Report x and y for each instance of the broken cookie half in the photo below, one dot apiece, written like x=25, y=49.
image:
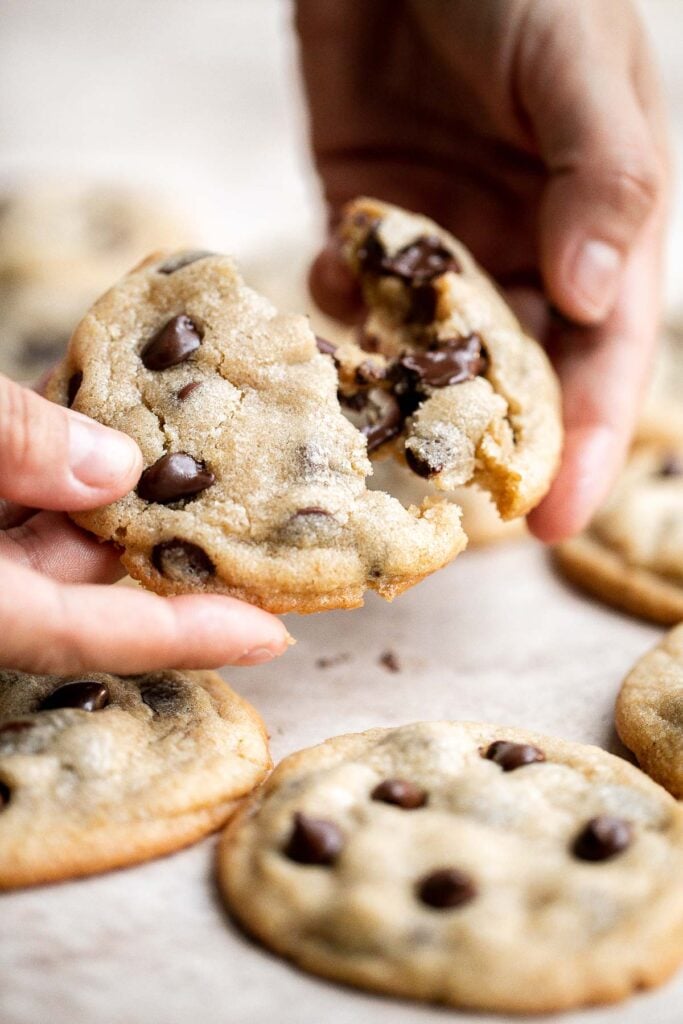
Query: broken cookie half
x=255, y=480
x=444, y=375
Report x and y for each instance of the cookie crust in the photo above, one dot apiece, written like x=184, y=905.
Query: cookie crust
x=649, y=712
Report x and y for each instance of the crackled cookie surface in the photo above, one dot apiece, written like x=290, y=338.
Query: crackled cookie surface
x=475, y=398
x=254, y=481
x=100, y=771
x=631, y=556
x=468, y=863
x=649, y=712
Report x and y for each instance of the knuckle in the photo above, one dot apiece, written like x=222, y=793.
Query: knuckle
x=16, y=428
x=634, y=184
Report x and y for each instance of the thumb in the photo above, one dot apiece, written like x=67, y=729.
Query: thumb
x=606, y=179
x=54, y=458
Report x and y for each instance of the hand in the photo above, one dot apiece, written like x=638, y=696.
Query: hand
x=533, y=129
x=51, y=618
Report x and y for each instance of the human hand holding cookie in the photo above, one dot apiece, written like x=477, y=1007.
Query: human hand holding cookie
x=52, y=615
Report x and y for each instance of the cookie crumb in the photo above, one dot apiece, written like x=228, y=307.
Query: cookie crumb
x=389, y=661
x=332, y=659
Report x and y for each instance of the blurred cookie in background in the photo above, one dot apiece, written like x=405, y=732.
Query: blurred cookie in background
x=662, y=415
x=631, y=555
x=61, y=245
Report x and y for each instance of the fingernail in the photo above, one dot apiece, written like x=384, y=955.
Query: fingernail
x=595, y=277
x=99, y=457
x=257, y=656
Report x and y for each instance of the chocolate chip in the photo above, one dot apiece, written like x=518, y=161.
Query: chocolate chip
x=325, y=347
x=368, y=342
x=603, y=838
x=178, y=559
x=376, y=413
x=417, y=263
x=449, y=362
x=513, y=755
x=446, y=888
x=186, y=391
x=86, y=694
x=173, y=477
x=164, y=696
x=173, y=344
x=73, y=387
x=671, y=465
x=422, y=307
x=314, y=841
x=424, y=467
x=312, y=510
x=401, y=792
x=183, y=259
x=13, y=728
x=5, y=794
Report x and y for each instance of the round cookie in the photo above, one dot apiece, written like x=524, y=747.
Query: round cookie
x=466, y=863
x=255, y=480
x=631, y=556
x=96, y=231
x=478, y=399
x=649, y=712
x=102, y=771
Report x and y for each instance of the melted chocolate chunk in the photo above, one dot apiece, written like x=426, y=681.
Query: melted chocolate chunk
x=13, y=728
x=183, y=259
x=73, y=387
x=173, y=344
x=164, y=696
x=446, y=888
x=400, y=792
x=449, y=362
x=311, y=510
x=5, y=794
x=671, y=465
x=326, y=348
x=368, y=342
x=314, y=841
x=422, y=466
x=179, y=559
x=389, y=661
x=603, y=838
x=186, y=391
x=86, y=695
x=513, y=755
x=422, y=308
x=417, y=263
x=376, y=413
x=173, y=477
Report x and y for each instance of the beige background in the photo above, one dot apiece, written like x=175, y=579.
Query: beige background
x=202, y=98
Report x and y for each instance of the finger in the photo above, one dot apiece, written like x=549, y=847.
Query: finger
x=55, y=458
x=333, y=287
x=606, y=172
x=52, y=627
x=52, y=545
x=12, y=514
x=603, y=375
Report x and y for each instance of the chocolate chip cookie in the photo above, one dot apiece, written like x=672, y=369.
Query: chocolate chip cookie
x=471, y=864
x=631, y=555
x=466, y=395
x=649, y=712
x=101, y=771
x=60, y=247
x=255, y=481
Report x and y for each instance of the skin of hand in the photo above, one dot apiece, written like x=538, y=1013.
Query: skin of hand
x=535, y=131
x=52, y=617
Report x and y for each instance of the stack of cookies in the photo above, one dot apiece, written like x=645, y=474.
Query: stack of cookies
x=461, y=862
